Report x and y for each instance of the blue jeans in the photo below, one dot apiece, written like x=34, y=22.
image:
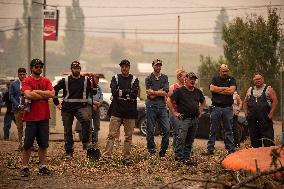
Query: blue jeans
x=158, y=115
x=186, y=133
x=221, y=115
x=8, y=118
x=174, y=122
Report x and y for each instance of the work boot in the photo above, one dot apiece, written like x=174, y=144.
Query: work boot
x=25, y=172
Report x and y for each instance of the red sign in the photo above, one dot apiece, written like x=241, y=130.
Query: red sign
x=50, y=25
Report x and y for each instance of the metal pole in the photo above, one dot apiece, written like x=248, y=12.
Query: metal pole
x=29, y=43
x=178, y=42
x=44, y=47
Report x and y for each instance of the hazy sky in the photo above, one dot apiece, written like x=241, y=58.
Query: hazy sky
x=197, y=17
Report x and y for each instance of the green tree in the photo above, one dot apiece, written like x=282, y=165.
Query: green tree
x=222, y=19
x=15, y=54
x=207, y=70
x=74, y=40
x=251, y=45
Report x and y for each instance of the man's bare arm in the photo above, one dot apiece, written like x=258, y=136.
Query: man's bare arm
x=274, y=102
x=31, y=95
x=216, y=89
x=229, y=90
x=46, y=93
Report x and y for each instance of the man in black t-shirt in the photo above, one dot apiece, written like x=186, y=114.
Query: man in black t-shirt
x=190, y=103
x=124, y=89
x=222, y=88
x=76, y=90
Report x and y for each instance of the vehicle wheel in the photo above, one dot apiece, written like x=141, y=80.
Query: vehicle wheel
x=103, y=112
x=143, y=127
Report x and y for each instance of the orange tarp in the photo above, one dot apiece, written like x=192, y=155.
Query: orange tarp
x=246, y=159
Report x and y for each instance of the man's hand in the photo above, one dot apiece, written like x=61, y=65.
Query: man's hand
x=270, y=115
x=150, y=92
x=21, y=107
x=59, y=106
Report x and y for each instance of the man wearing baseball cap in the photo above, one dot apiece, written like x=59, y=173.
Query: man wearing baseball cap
x=190, y=103
x=124, y=89
x=76, y=90
x=37, y=90
x=157, y=88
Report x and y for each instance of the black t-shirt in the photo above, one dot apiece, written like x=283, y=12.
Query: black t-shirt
x=222, y=100
x=76, y=88
x=120, y=107
x=188, y=101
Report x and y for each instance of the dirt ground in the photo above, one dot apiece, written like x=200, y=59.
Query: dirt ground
x=144, y=171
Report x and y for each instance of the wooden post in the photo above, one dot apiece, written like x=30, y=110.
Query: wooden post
x=177, y=61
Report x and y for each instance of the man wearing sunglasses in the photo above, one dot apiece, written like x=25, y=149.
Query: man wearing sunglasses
x=37, y=90
x=190, y=103
x=76, y=90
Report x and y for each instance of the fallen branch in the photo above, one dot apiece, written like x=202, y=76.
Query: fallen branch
x=258, y=174
x=199, y=180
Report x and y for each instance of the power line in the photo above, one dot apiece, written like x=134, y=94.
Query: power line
x=159, y=14
x=134, y=29
x=144, y=7
x=132, y=32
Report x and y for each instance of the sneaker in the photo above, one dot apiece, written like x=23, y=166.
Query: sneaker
x=152, y=152
x=25, y=172
x=44, y=171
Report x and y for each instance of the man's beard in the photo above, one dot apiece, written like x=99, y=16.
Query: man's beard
x=37, y=73
x=76, y=74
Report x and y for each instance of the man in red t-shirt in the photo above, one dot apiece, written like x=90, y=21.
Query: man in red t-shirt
x=37, y=90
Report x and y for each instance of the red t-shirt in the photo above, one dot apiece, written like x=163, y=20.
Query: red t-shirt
x=39, y=109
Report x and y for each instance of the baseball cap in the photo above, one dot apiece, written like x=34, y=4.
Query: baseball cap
x=75, y=64
x=192, y=75
x=36, y=61
x=157, y=61
x=124, y=62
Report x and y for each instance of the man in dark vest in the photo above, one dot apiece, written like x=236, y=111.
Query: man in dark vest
x=76, y=89
x=124, y=89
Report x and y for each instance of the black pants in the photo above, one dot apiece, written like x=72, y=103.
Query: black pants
x=83, y=116
x=261, y=131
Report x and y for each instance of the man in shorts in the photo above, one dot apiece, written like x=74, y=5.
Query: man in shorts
x=37, y=90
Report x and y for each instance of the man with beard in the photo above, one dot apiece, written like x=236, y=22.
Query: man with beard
x=37, y=90
x=124, y=89
x=222, y=88
x=76, y=89
x=18, y=103
x=190, y=103
x=157, y=87
x=259, y=105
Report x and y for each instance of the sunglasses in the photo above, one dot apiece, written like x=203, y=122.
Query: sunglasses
x=38, y=66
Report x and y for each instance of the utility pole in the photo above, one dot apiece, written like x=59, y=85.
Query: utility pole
x=29, y=43
x=177, y=61
x=44, y=47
